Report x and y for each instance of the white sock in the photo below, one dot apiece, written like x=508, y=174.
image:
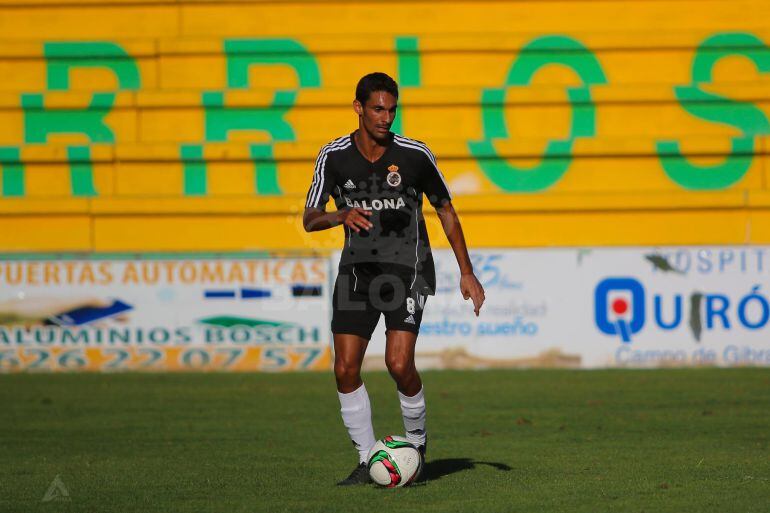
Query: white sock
x=357, y=417
x=413, y=411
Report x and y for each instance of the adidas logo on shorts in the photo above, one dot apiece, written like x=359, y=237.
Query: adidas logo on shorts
x=409, y=320
x=349, y=185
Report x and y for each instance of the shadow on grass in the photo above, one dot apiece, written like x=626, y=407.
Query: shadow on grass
x=436, y=469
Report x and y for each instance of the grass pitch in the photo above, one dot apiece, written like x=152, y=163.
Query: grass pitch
x=531, y=441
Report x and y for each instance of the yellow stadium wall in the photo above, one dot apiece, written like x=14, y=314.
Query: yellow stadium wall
x=193, y=126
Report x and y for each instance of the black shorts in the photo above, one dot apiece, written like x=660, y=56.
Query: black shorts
x=357, y=312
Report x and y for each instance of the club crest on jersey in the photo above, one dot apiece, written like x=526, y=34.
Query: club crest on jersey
x=394, y=179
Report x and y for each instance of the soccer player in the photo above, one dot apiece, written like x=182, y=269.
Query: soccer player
x=377, y=180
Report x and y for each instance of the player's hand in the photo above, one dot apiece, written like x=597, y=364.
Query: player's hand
x=356, y=219
x=471, y=288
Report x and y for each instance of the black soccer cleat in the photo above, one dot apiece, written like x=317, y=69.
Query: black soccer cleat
x=360, y=475
x=422, y=449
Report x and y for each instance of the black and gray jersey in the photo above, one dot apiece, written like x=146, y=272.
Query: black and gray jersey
x=392, y=188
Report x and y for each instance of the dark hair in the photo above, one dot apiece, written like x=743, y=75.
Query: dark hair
x=375, y=82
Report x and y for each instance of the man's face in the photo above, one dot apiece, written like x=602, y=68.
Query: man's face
x=377, y=114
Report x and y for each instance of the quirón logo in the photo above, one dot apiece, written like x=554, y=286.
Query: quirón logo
x=620, y=309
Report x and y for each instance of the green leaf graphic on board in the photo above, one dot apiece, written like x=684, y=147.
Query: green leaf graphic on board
x=228, y=321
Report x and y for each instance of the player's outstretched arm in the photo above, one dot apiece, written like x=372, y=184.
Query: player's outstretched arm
x=356, y=219
x=469, y=284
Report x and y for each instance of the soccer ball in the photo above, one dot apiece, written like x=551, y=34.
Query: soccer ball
x=394, y=462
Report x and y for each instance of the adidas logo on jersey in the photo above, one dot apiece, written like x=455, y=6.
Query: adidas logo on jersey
x=410, y=319
x=349, y=185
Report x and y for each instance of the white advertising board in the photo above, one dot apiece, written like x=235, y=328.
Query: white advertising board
x=171, y=313
x=589, y=308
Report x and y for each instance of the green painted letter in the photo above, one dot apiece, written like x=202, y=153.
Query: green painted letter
x=536, y=55
x=746, y=117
